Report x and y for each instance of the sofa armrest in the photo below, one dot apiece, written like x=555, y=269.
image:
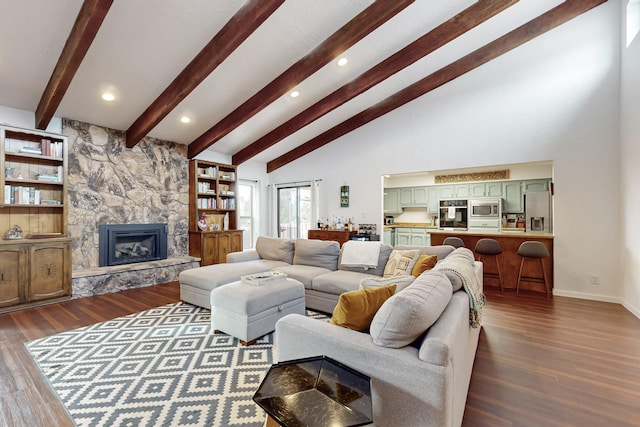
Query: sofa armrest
x=248, y=255
x=405, y=390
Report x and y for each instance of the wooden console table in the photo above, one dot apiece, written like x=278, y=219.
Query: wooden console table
x=339, y=236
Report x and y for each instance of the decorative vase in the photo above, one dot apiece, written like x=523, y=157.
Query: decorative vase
x=225, y=223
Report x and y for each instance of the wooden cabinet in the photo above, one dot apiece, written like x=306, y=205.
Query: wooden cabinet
x=494, y=189
x=536, y=185
x=34, y=271
x=36, y=266
x=212, y=247
x=432, y=202
x=339, y=236
x=212, y=198
x=49, y=270
x=392, y=201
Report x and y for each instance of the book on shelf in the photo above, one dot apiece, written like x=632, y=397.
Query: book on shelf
x=209, y=172
x=31, y=150
x=19, y=195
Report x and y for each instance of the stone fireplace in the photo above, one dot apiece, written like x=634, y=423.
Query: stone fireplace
x=121, y=244
x=111, y=184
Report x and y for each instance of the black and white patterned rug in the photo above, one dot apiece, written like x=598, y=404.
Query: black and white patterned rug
x=160, y=367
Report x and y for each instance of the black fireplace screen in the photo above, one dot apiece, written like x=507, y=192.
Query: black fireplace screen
x=130, y=243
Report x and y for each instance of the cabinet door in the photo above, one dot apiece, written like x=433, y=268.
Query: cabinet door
x=50, y=276
x=406, y=196
x=536, y=185
x=494, y=189
x=392, y=200
x=421, y=196
x=12, y=275
x=403, y=236
x=236, y=241
x=209, y=252
x=477, y=190
x=225, y=245
x=513, y=201
x=461, y=191
x=432, y=203
x=445, y=192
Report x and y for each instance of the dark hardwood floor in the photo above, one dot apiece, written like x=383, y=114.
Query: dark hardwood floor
x=540, y=361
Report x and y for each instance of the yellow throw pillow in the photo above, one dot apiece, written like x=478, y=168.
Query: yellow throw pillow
x=424, y=263
x=356, y=309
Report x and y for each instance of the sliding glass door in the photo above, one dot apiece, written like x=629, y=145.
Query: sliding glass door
x=294, y=211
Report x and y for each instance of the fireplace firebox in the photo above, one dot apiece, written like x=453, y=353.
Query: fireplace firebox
x=131, y=243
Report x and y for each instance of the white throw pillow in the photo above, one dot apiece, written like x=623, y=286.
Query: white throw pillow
x=401, y=262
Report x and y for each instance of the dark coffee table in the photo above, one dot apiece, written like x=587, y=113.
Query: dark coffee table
x=316, y=391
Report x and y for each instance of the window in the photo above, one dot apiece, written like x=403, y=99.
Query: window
x=294, y=211
x=248, y=211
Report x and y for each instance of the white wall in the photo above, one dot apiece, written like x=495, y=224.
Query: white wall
x=630, y=153
x=555, y=98
x=26, y=119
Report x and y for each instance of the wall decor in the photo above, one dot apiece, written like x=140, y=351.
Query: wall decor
x=475, y=176
x=344, y=196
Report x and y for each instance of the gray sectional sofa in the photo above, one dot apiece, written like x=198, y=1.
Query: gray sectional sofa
x=418, y=377
x=315, y=263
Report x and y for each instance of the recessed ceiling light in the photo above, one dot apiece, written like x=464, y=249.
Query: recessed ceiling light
x=294, y=94
x=185, y=119
x=342, y=61
x=108, y=96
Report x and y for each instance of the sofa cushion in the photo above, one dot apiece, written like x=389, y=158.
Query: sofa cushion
x=409, y=313
x=385, y=251
x=401, y=261
x=275, y=249
x=303, y=273
x=317, y=253
x=211, y=276
x=355, y=309
x=337, y=282
x=425, y=262
x=441, y=251
x=400, y=280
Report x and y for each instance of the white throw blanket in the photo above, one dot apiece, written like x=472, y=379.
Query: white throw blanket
x=356, y=253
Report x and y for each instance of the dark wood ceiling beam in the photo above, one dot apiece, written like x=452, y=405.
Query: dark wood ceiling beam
x=534, y=28
x=352, y=32
x=88, y=22
x=242, y=25
x=471, y=17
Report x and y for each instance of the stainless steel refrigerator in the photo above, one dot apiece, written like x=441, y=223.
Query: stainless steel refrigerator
x=537, y=207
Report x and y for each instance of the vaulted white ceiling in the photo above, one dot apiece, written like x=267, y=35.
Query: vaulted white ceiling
x=143, y=45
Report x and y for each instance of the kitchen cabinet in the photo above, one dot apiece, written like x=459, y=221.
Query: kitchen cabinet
x=432, y=199
x=414, y=197
x=387, y=237
x=513, y=197
x=412, y=236
x=494, y=189
x=392, y=201
x=477, y=189
x=536, y=185
x=461, y=191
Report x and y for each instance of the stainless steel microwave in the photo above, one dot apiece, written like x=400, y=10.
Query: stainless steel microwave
x=485, y=207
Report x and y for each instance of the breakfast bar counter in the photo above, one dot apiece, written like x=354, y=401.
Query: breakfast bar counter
x=509, y=259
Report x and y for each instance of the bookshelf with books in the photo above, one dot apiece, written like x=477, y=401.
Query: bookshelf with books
x=212, y=211
x=35, y=252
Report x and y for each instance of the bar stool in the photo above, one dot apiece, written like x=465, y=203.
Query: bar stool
x=456, y=242
x=530, y=249
x=490, y=247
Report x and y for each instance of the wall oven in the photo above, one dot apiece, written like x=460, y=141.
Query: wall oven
x=453, y=215
x=486, y=208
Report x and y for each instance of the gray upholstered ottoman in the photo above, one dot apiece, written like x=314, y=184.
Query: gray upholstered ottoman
x=248, y=312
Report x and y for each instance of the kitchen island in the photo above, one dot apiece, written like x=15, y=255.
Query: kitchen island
x=509, y=259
